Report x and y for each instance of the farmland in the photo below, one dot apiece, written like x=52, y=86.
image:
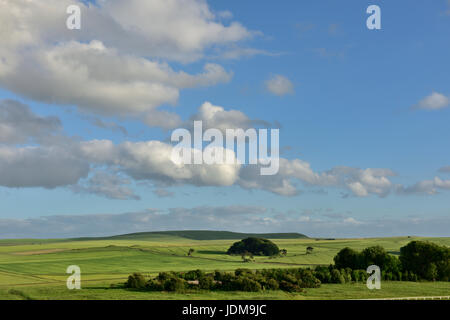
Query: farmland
x=35, y=269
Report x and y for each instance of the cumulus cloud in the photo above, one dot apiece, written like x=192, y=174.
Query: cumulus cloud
x=218, y=117
x=45, y=61
x=47, y=167
x=60, y=161
x=425, y=187
x=63, y=161
x=18, y=124
x=152, y=160
x=435, y=101
x=231, y=218
x=86, y=75
x=283, y=182
x=107, y=185
x=176, y=29
x=279, y=85
x=362, y=182
x=358, y=182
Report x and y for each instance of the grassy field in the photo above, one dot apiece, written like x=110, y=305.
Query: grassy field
x=36, y=268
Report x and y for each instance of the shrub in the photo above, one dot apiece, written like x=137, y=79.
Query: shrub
x=154, y=285
x=174, y=284
x=290, y=287
x=136, y=281
x=219, y=275
x=163, y=276
x=206, y=282
x=336, y=277
x=194, y=275
x=308, y=280
x=355, y=276
x=271, y=284
x=242, y=271
x=323, y=274
x=247, y=284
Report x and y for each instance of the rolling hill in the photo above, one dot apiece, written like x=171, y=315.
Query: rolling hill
x=199, y=235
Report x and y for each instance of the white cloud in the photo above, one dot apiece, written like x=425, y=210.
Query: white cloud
x=213, y=116
x=152, y=160
x=170, y=29
x=86, y=75
x=362, y=182
x=62, y=161
x=435, y=101
x=179, y=29
x=45, y=61
x=279, y=85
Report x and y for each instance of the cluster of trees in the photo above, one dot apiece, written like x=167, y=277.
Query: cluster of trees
x=428, y=260
x=331, y=274
x=255, y=246
x=418, y=260
x=291, y=280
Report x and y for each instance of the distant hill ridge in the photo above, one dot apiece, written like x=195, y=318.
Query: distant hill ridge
x=200, y=235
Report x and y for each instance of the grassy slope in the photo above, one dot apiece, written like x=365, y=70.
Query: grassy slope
x=199, y=235
x=37, y=267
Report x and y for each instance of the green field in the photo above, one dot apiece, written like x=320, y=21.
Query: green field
x=36, y=268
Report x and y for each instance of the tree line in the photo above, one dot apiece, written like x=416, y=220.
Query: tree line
x=418, y=261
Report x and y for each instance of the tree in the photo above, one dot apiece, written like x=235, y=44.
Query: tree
x=376, y=255
x=190, y=252
x=348, y=258
x=426, y=260
x=283, y=252
x=255, y=246
x=136, y=281
x=336, y=276
x=309, y=250
x=174, y=284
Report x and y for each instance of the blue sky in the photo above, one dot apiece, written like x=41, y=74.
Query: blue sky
x=362, y=99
